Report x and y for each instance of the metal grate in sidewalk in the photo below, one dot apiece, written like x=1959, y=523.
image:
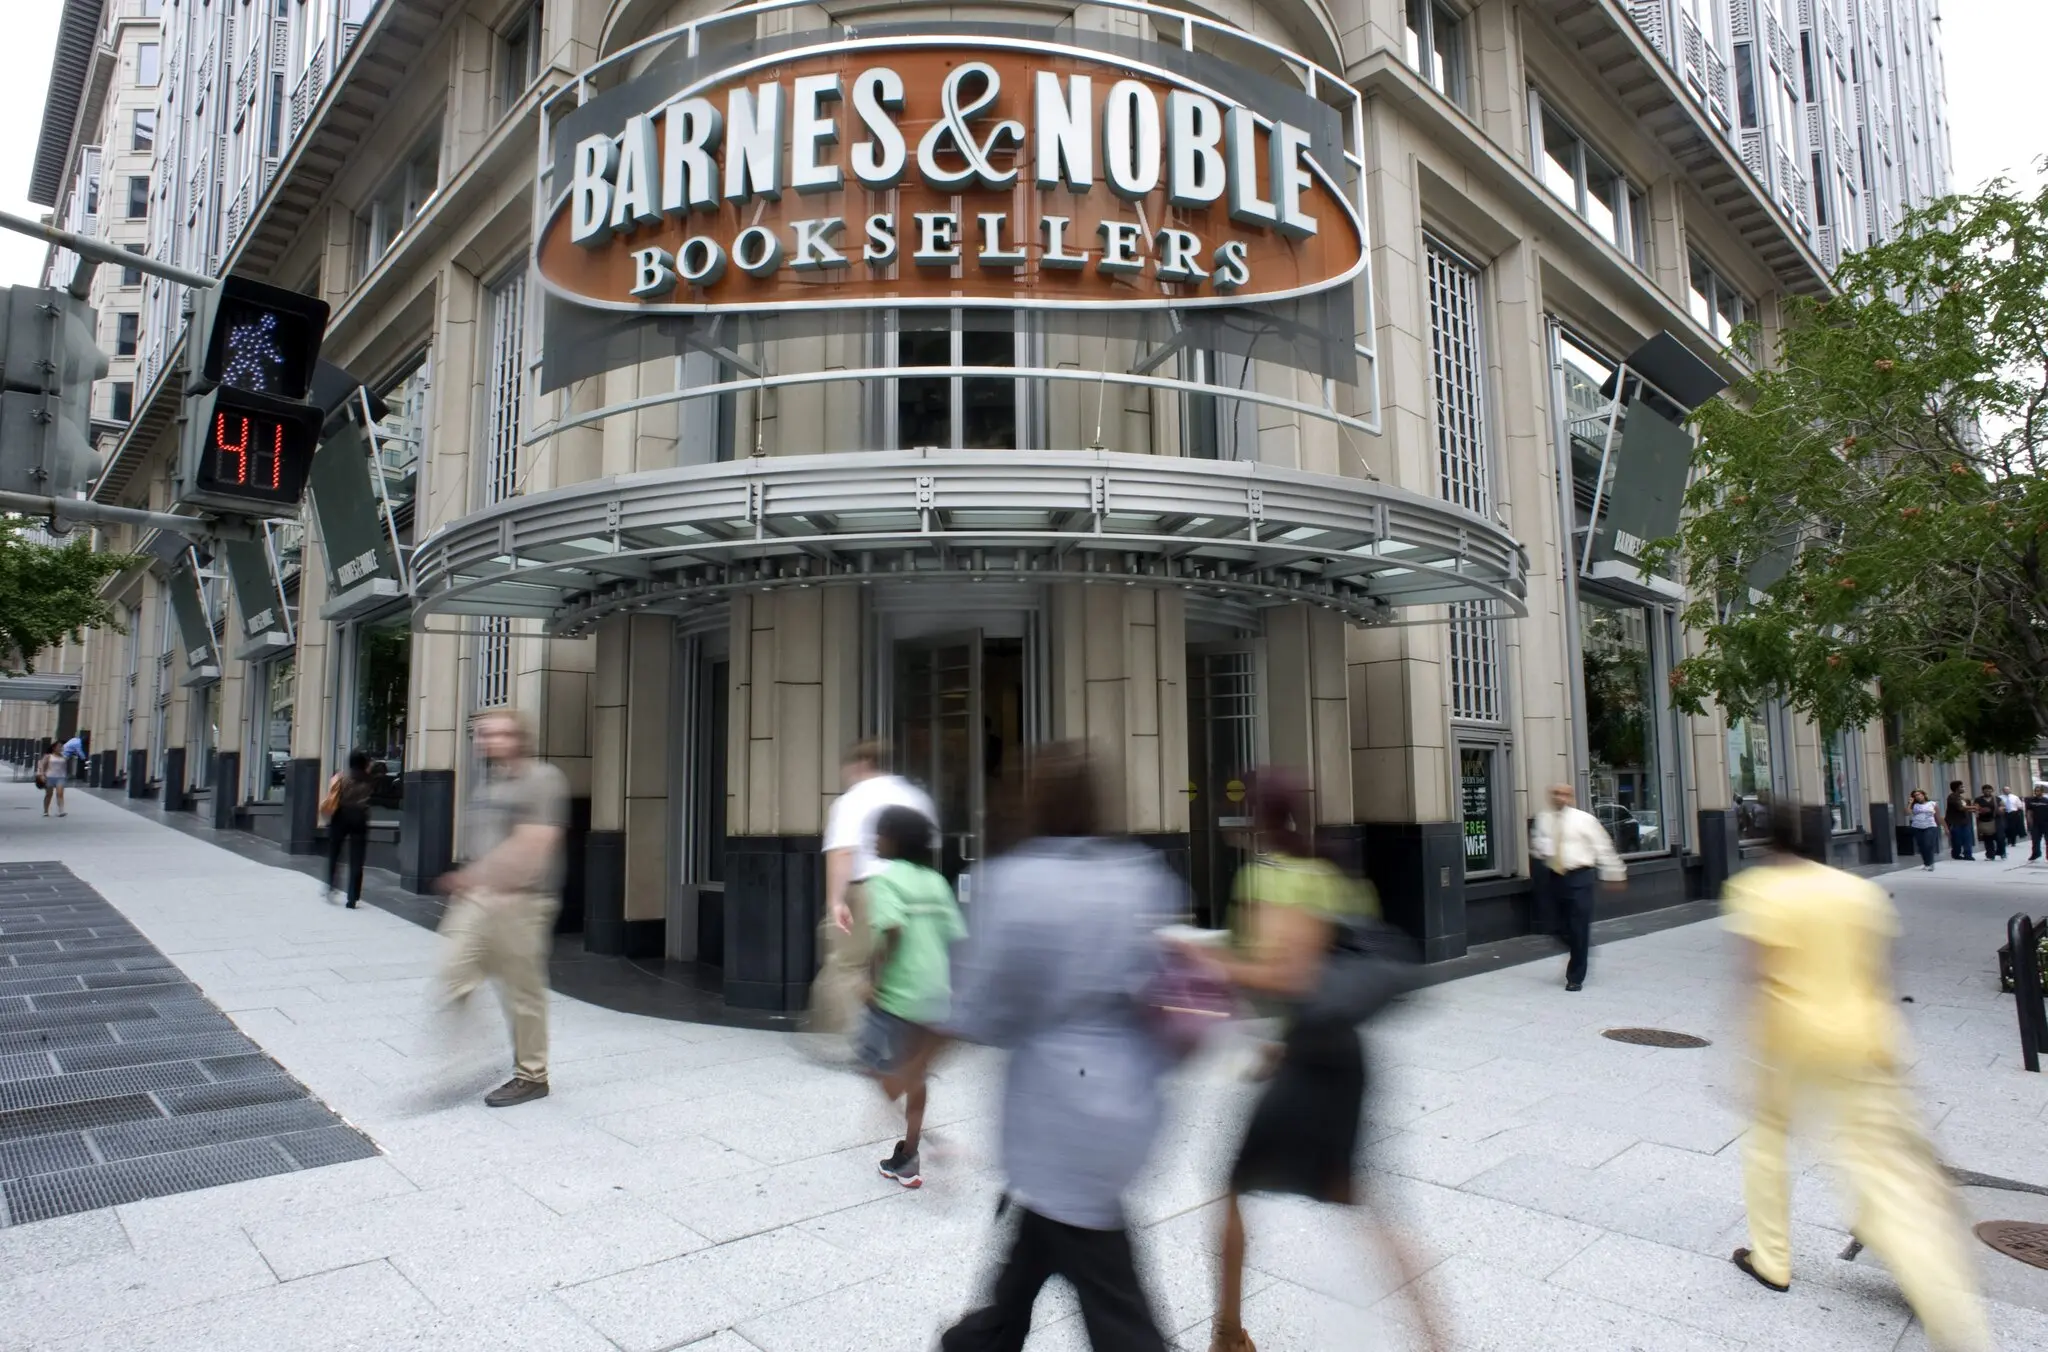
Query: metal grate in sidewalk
x=119, y=1080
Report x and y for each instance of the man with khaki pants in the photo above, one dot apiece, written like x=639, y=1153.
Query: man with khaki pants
x=500, y=921
x=841, y=984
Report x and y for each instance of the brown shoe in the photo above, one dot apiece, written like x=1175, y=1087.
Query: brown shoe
x=1741, y=1259
x=515, y=1091
x=1231, y=1340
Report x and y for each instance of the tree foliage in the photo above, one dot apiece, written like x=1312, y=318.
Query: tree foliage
x=1885, y=477
x=50, y=592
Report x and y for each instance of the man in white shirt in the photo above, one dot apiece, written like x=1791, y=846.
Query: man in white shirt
x=850, y=861
x=1572, y=844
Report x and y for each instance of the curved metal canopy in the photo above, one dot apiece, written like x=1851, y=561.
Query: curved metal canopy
x=673, y=540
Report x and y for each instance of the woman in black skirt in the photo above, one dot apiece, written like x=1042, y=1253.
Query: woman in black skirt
x=1303, y=1135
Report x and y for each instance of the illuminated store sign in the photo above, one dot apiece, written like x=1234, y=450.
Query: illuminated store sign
x=945, y=169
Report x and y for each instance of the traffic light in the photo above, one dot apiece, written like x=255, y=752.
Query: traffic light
x=250, y=432
x=49, y=359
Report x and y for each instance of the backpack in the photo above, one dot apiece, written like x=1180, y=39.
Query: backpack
x=1368, y=966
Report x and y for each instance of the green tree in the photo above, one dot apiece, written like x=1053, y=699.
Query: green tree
x=50, y=592
x=1866, y=524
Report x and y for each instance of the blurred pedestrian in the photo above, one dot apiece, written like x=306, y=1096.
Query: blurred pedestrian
x=845, y=936
x=74, y=754
x=1961, y=815
x=2015, y=818
x=2037, y=819
x=1062, y=945
x=1925, y=824
x=347, y=804
x=52, y=770
x=501, y=920
x=915, y=923
x=1302, y=1139
x=1827, y=1032
x=1991, y=823
x=1573, y=845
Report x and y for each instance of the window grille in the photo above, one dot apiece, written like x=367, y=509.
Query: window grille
x=505, y=388
x=1457, y=374
x=1457, y=377
x=1475, y=663
x=494, y=663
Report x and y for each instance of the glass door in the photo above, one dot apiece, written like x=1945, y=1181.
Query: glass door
x=942, y=736
x=1222, y=728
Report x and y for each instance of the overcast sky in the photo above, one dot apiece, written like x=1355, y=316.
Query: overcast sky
x=1993, y=50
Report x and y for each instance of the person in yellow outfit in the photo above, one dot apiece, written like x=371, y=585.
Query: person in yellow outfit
x=1827, y=1032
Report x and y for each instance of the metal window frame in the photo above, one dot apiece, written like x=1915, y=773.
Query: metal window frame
x=1637, y=251
x=1025, y=350
x=1458, y=68
x=504, y=388
x=1502, y=747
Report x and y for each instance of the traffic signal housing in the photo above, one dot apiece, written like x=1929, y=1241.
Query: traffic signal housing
x=49, y=358
x=250, y=432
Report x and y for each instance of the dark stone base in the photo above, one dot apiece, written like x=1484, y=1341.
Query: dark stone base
x=227, y=788
x=711, y=928
x=774, y=896
x=1882, y=847
x=1419, y=869
x=569, y=920
x=110, y=770
x=426, y=836
x=302, y=789
x=138, y=774
x=645, y=938
x=1720, y=848
x=177, y=794
x=604, y=892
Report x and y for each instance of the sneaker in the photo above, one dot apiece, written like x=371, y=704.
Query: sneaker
x=902, y=1166
x=1574, y=985
x=518, y=1090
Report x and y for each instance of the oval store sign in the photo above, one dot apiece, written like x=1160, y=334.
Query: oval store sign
x=949, y=170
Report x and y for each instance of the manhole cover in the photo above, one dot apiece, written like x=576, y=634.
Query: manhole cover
x=2023, y=1240
x=1655, y=1037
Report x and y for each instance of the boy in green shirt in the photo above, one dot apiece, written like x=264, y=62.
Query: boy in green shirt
x=915, y=922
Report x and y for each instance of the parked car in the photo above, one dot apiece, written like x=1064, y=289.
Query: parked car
x=1622, y=824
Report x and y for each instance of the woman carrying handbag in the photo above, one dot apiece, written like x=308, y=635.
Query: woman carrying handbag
x=346, y=805
x=51, y=771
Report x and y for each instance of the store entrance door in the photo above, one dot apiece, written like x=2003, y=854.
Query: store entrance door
x=1222, y=709
x=959, y=713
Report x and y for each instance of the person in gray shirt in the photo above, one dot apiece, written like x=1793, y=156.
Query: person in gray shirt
x=1062, y=942
x=500, y=920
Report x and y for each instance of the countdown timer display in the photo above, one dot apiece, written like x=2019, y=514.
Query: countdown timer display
x=256, y=453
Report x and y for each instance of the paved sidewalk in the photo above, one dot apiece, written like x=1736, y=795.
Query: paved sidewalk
x=712, y=1187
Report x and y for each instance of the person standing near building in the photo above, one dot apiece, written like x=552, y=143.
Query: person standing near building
x=915, y=922
x=1961, y=816
x=2015, y=818
x=1991, y=822
x=1062, y=946
x=1302, y=1139
x=74, y=754
x=844, y=935
x=500, y=920
x=1925, y=823
x=1573, y=845
x=348, y=824
x=2037, y=819
x=52, y=770
x=1826, y=1028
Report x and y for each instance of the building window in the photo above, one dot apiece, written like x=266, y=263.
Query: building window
x=383, y=673
x=273, y=126
x=138, y=197
x=1457, y=378
x=1436, y=48
x=1475, y=663
x=1837, y=768
x=1583, y=180
x=1477, y=776
x=1750, y=777
x=401, y=435
x=92, y=187
x=148, y=64
x=142, y=136
x=278, y=690
x=504, y=389
x=132, y=276
x=494, y=663
x=1622, y=705
x=126, y=330
x=518, y=57
x=397, y=201
x=123, y=406
x=1745, y=85
x=1714, y=302
x=1216, y=426
x=976, y=413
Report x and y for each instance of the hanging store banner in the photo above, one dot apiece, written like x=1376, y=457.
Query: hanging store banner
x=265, y=628
x=362, y=565
x=977, y=165
x=195, y=627
x=1652, y=465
